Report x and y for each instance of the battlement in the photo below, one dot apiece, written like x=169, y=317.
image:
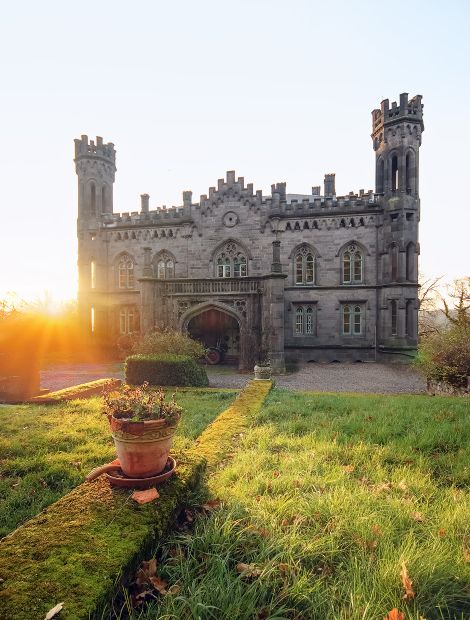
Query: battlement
x=85, y=149
x=406, y=110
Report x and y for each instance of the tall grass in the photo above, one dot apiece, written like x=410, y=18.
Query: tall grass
x=328, y=496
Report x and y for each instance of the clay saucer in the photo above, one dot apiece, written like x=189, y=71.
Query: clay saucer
x=118, y=478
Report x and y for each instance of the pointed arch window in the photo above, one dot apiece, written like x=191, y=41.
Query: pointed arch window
x=128, y=320
x=126, y=278
x=93, y=199
x=165, y=266
x=231, y=262
x=304, y=320
x=353, y=319
x=394, y=173
x=394, y=317
x=304, y=266
x=353, y=265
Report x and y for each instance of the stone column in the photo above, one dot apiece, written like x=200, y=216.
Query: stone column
x=147, y=288
x=273, y=321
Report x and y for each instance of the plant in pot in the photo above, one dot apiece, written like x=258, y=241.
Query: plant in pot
x=263, y=370
x=142, y=425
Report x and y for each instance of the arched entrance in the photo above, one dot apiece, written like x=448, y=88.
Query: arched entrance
x=217, y=330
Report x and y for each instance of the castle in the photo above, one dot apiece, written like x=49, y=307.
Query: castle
x=291, y=277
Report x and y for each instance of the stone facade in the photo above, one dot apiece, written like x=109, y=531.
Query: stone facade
x=292, y=277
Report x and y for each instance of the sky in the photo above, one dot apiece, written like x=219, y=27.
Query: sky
x=278, y=91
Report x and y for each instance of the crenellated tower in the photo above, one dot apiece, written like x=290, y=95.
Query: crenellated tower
x=396, y=135
x=95, y=165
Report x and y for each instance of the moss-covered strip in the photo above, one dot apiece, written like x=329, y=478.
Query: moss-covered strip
x=83, y=390
x=216, y=441
x=78, y=549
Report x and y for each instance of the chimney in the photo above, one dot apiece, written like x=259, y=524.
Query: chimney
x=330, y=189
x=144, y=200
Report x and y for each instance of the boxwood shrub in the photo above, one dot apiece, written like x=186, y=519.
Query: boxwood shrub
x=165, y=369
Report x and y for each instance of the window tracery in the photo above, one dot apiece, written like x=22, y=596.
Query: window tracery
x=126, y=277
x=353, y=264
x=304, y=265
x=231, y=262
x=165, y=265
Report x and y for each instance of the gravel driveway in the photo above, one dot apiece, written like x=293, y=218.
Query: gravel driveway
x=366, y=377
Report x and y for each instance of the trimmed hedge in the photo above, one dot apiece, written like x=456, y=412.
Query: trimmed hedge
x=165, y=369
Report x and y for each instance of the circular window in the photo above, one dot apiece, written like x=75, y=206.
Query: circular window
x=230, y=219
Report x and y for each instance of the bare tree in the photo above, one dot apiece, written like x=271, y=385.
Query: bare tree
x=459, y=313
x=429, y=298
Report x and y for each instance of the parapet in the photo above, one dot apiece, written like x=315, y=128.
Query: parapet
x=85, y=149
x=411, y=110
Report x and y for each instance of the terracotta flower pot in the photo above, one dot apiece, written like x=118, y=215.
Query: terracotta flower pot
x=262, y=373
x=142, y=447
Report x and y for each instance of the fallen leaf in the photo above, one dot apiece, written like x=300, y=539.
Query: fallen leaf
x=466, y=555
x=189, y=515
x=376, y=529
x=296, y=483
x=417, y=516
x=248, y=570
x=407, y=583
x=144, y=497
x=174, y=589
x=441, y=532
x=394, y=614
x=283, y=567
x=284, y=523
x=159, y=584
x=276, y=474
x=54, y=611
x=146, y=571
x=349, y=468
x=403, y=486
x=211, y=505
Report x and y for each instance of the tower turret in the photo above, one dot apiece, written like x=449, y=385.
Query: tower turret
x=396, y=135
x=95, y=165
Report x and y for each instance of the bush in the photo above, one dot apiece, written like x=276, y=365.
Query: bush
x=446, y=356
x=165, y=370
x=169, y=341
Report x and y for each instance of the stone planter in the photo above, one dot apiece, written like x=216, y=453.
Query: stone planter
x=262, y=373
x=142, y=447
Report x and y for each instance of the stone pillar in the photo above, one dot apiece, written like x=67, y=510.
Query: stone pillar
x=147, y=273
x=276, y=266
x=273, y=321
x=147, y=320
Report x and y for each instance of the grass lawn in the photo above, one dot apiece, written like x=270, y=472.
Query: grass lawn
x=45, y=451
x=325, y=502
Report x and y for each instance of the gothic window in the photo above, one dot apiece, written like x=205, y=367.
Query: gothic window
x=352, y=265
x=93, y=274
x=93, y=199
x=127, y=320
x=126, y=272
x=394, y=316
x=380, y=176
x=304, y=321
x=165, y=265
x=410, y=262
x=394, y=173
x=353, y=319
x=410, y=317
x=231, y=262
x=304, y=265
x=394, y=261
x=104, y=198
